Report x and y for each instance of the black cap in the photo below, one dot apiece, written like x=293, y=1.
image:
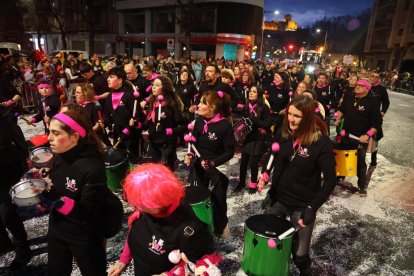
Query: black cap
x=117, y=71
x=85, y=68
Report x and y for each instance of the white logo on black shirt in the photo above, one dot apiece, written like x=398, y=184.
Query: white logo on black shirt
x=304, y=152
x=212, y=136
x=71, y=184
x=156, y=246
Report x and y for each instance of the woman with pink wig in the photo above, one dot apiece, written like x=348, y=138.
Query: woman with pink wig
x=161, y=224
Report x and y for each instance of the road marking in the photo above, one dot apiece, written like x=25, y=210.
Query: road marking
x=403, y=105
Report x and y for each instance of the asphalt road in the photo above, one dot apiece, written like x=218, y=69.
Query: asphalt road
x=352, y=236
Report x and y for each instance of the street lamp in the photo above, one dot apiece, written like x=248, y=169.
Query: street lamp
x=276, y=12
x=326, y=37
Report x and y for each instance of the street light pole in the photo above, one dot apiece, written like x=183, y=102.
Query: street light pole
x=326, y=37
x=261, y=41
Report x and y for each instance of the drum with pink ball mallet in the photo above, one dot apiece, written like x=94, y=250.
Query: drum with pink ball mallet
x=346, y=157
x=267, y=247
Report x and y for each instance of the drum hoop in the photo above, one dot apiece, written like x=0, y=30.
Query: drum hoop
x=267, y=237
x=117, y=164
x=40, y=149
x=26, y=181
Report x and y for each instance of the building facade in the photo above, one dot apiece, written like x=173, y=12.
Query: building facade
x=218, y=28
x=390, y=40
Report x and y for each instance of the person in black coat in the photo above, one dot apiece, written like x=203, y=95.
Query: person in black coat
x=13, y=154
x=297, y=190
x=165, y=121
x=75, y=195
x=254, y=144
x=214, y=139
x=161, y=225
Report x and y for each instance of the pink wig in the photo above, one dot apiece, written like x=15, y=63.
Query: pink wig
x=152, y=186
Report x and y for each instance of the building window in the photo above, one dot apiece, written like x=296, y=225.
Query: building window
x=164, y=22
x=203, y=21
x=99, y=47
x=134, y=22
x=78, y=45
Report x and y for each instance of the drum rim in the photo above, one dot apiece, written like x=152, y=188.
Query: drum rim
x=43, y=149
x=117, y=164
x=263, y=235
x=26, y=181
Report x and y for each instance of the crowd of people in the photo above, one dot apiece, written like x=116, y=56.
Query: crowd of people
x=148, y=107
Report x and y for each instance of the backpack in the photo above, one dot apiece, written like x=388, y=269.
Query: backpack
x=113, y=214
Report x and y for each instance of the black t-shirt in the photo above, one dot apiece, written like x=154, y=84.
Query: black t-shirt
x=151, y=240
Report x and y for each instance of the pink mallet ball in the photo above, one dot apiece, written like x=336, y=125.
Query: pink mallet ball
x=336, y=114
x=160, y=97
x=275, y=147
x=187, y=138
x=174, y=256
x=271, y=243
x=290, y=93
x=136, y=94
x=343, y=132
x=190, y=127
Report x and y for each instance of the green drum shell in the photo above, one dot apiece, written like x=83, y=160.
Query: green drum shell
x=115, y=173
x=199, y=199
x=260, y=259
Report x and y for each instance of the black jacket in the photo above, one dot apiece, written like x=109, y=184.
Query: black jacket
x=297, y=183
x=152, y=239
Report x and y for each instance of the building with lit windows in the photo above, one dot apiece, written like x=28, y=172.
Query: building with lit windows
x=219, y=28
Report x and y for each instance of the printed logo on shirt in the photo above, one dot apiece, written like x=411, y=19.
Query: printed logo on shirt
x=280, y=96
x=71, y=184
x=361, y=108
x=163, y=115
x=324, y=94
x=121, y=103
x=185, y=91
x=156, y=246
x=304, y=152
x=212, y=136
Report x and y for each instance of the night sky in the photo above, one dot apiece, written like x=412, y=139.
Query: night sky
x=305, y=12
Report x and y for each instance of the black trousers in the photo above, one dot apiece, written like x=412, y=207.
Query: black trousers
x=90, y=257
x=165, y=153
x=302, y=238
x=10, y=174
x=254, y=167
x=218, y=184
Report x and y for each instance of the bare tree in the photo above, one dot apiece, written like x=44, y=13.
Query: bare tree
x=185, y=20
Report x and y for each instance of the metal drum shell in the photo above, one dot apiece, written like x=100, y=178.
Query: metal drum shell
x=22, y=186
x=35, y=152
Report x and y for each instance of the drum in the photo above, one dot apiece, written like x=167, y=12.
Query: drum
x=241, y=128
x=259, y=258
x=199, y=199
x=346, y=158
x=38, y=141
x=41, y=157
x=22, y=193
x=116, y=166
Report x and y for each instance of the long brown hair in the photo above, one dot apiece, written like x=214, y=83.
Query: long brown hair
x=311, y=126
x=221, y=104
x=169, y=94
x=82, y=119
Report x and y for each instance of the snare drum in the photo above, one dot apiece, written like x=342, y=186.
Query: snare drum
x=38, y=141
x=22, y=193
x=258, y=257
x=346, y=158
x=41, y=157
x=199, y=199
x=116, y=166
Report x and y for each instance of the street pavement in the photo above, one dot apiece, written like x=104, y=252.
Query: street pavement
x=352, y=236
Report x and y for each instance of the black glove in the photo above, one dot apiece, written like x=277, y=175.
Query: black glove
x=308, y=215
x=51, y=198
x=207, y=164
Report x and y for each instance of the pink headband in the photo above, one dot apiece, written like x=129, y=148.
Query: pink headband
x=43, y=85
x=70, y=123
x=364, y=83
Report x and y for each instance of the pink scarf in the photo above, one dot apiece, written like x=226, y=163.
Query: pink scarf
x=152, y=114
x=215, y=119
x=116, y=99
x=252, y=107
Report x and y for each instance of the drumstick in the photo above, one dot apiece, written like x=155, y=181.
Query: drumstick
x=160, y=99
x=290, y=95
x=117, y=143
x=190, y=128
x=196, y=151
x=286, y=233
x=24, y=119
x=44, y=110
x=275, y=148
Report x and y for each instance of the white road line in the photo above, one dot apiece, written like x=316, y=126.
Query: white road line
x=403, y=105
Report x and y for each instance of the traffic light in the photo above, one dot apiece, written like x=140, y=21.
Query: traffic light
x=291, y=46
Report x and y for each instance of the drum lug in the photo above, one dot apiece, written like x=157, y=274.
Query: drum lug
x=255, y=242
x=209, y=204
x=279, y=246
x=346, y=155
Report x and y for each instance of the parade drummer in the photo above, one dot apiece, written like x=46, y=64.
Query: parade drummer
x=13, y=154
x=325, y=95
x=50, y=103
x=213, y=137
x=165, y=121
x=160, y=224
x=75, y=196
x=362, y=119
x=85, y=97
x=118, y=109
x=381, y=93
x=297, y=190
x=278, y=98
x=254, y=144
x=10, y=100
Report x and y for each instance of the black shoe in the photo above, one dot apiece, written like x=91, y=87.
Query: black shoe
x=239, y=187
x=373, y=164
x=22, y=258
x=362, y=192
x=6, y=247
